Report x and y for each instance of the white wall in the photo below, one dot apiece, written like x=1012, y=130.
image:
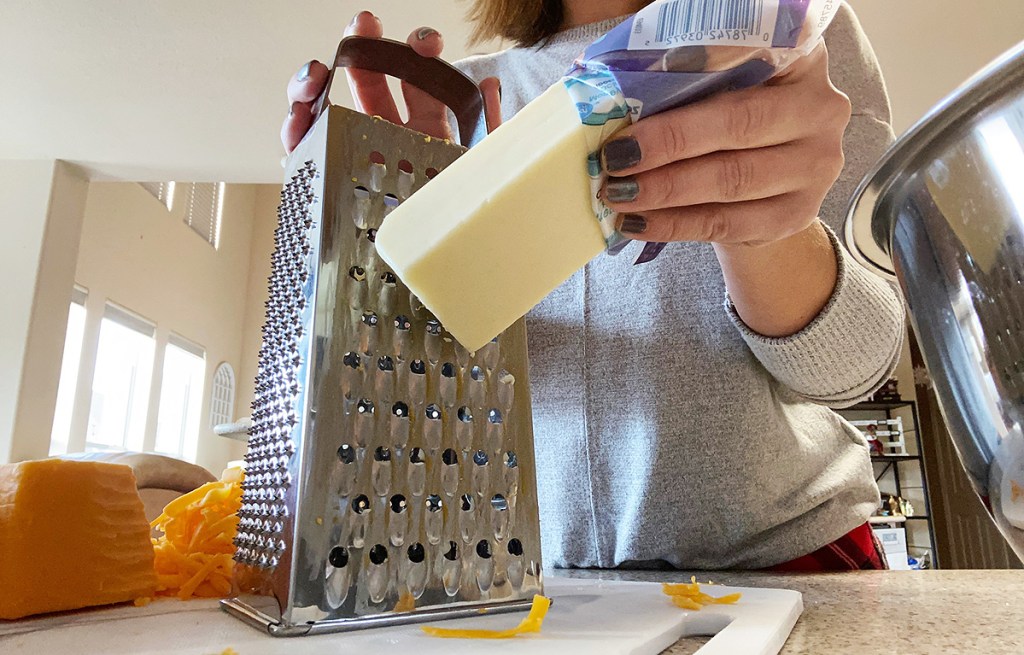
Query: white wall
x=137, y=254
x=264, y=221
x=929, y=47
x=24, y=199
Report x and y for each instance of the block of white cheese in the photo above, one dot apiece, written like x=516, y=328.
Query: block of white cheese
x=502, y=226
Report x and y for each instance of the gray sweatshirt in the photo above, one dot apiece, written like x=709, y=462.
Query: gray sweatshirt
x=666, y=431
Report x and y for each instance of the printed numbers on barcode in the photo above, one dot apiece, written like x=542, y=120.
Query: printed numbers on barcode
x=681, y=21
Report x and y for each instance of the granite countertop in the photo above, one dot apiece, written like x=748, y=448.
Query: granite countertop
x=902, y=612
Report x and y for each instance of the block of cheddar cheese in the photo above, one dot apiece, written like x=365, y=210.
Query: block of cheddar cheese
x=72, y=535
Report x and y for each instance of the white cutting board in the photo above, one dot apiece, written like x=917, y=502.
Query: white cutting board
x=587, y=616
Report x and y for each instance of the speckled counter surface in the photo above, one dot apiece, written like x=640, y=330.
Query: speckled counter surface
x=898, y=612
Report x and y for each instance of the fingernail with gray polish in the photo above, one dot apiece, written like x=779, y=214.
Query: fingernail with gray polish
x=621, y=153
x=425, y=32
x=633, y=224
x=303, y=73
x=622, y=190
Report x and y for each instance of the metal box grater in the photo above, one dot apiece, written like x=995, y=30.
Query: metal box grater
x=390, y=473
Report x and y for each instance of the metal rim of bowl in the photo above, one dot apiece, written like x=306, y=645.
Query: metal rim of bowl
x=1005, y=73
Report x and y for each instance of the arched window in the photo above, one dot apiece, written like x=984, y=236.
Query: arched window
x=222, y=403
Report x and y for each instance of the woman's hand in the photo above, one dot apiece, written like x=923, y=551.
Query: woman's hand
x=371, y=92
x=746, y=167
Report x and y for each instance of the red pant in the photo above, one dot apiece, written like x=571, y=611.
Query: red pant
x=857, y=550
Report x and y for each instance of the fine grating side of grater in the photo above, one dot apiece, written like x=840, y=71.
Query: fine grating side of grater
x=389, y=473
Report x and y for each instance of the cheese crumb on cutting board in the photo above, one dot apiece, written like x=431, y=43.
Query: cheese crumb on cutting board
x=72, y=535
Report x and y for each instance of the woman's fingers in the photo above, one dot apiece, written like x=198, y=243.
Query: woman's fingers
x=296, y=124
x=304, y=87
x=753, y=222
x=725, y=176
x=491, y=90
x=752, y=118
x=307, y=84
x=370, y=90
x=426, y=114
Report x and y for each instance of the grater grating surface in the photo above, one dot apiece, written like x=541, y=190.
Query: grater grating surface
x=390, y=472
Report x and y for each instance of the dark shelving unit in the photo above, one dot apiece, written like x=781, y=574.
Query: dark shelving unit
x=888, y=472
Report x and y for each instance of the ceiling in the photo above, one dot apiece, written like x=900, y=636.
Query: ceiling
x=186, y=90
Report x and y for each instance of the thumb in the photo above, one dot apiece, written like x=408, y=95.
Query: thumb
x=491, y=90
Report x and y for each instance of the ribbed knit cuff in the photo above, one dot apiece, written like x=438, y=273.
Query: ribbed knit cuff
x=848, y=350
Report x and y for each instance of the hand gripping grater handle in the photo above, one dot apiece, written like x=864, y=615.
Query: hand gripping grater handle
x=444, y=82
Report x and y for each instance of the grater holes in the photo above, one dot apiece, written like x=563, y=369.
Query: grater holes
x=449, y=457
x=338, y=557
x=405, y=166
x=416, y=553
x=483, y=549
x=361, y=208
x=515, y=548
x=398, y=503
x=378, y=554
x=377, y=170
x=452, y=553
x=431, y=173
x=416, y=456
x=382, y=454
x=360, y=504
x=346, y=454
x=433, y=503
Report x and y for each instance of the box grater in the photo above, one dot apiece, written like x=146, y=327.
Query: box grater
x=390, y=473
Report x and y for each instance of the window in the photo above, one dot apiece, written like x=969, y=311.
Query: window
x=181, y=399
x=61, y=430
x=162, y=191
x=222, y=401
x=121, y=382
x=204, y=206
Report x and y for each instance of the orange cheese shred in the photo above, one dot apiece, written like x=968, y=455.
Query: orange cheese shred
x=688, y=595
x=194, y=553
x=532, y=623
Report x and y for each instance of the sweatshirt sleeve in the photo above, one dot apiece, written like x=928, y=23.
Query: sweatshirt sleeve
x=853, y=345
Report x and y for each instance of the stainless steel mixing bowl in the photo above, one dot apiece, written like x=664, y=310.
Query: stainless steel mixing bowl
x=943, y=213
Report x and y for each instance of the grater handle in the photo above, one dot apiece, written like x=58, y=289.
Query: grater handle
x=444, y=82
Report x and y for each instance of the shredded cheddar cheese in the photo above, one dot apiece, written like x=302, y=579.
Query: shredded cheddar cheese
x=689, y=596
x=531, y=623
x=194, y=554
x=406, y=602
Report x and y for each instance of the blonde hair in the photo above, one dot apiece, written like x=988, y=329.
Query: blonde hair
x=525, y=22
